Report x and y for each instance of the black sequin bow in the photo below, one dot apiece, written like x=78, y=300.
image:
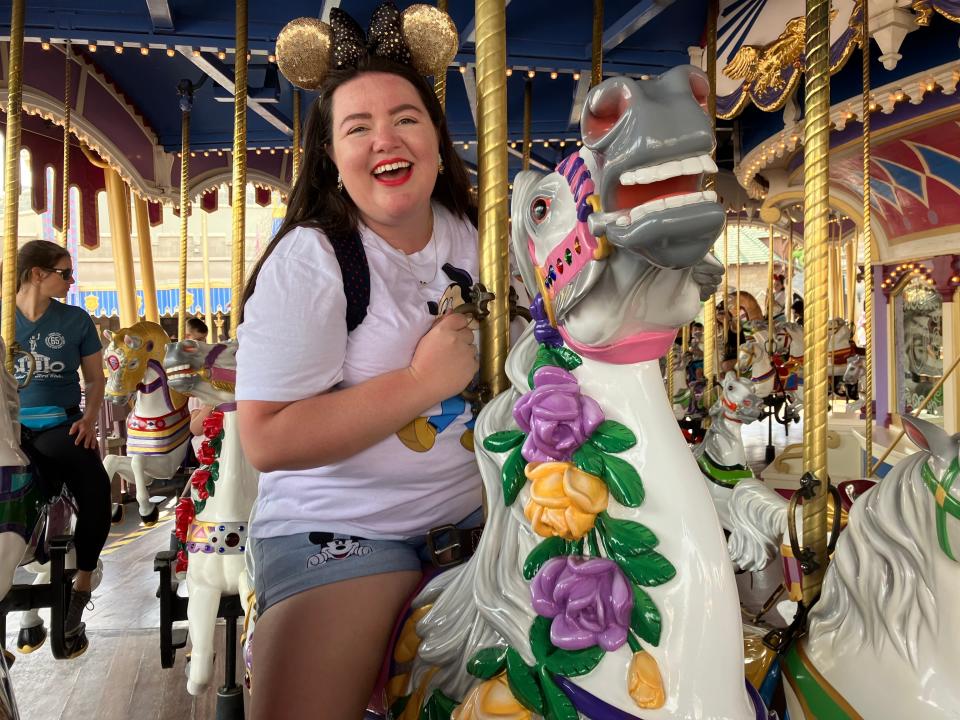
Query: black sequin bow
x=350, y=45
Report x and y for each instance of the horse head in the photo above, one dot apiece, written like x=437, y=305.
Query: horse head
x=128, y=355
x=614, y=240
x=856, y=368
x=202, y=370
x=839, y=333
x=739, y=401
x=788, y=339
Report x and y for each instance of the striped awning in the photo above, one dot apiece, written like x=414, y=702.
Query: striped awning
x=106, y=303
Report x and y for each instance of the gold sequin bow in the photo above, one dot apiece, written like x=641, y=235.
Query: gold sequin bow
x=422, y=36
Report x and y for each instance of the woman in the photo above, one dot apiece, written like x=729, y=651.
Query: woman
x=60, y=440
x=359, y=460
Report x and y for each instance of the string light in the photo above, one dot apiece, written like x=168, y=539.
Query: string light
x=546, y=143
x=576, y=76
x=91, y=47
x=509, y=71
x=45, y=45
x=144, y=50
x=271, y=58
x=196, y=52
x=118, y=49
x=221, y=55
x=531, y=73
x=466, y=146
x=513, y=145
x=171, y=52
x=553, y=75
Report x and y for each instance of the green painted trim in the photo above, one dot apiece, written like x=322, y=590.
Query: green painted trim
x=811, y=693
x=951, y=506
x=726, y=476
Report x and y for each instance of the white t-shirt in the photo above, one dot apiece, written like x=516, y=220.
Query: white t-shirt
x=293, y=344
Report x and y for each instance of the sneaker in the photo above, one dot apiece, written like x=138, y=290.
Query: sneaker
x=79, y=600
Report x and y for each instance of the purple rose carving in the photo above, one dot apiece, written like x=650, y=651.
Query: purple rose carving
x=589, y=599
x=543, y=331
x=557, y=418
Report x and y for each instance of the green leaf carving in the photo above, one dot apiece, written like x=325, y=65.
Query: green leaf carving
x=503, y=440
x=523, y=682
x=558, y=705
x=622, y=480
x=551, y=547
x=544, y=357
x=487, y=663
x=645, y=619
x=566, y=358
x=589, y=460
x=571, y=663
x=540, y=641
x=625, y=537
x=648, y=569
x=396, y=710
x=612, y=436
x=438, y=707
x=198, y=506
x=211, y=486
x=512, y=475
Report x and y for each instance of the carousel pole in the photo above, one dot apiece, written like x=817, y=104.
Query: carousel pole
x=491, y=53
x=185, y=106
x=239, y=184
x=527, y=121
x=710, y=183
x=737, y=325
x=440, y=78
x=851, y=296
x=726, y=288
x=770, y=287
x=12, y=185
x=207, y=294
x=788, y=287
x=596, y=71
x=296, y=138
x=867, y=241
x=66, y=146
x=150, y=311
x=816, y=151
x=118, y=204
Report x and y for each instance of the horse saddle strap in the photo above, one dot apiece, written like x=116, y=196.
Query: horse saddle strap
x=450, y=545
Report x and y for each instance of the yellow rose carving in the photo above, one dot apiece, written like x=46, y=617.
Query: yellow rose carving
x=491, y=700
x=564, y=500
x=644, y=682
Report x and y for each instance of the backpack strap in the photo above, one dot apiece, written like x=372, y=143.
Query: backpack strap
x=356, y=275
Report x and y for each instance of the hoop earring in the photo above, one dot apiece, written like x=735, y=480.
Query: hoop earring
x=440, y=166
x=339, y=183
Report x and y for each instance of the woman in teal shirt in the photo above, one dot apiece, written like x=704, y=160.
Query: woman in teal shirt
x=60, y=440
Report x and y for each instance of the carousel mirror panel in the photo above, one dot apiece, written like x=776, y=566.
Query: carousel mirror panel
x=918, y=343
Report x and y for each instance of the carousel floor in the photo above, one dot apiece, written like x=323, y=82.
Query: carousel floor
x=119, y=677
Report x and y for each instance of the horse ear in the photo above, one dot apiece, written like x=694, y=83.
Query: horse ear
x=108, y=334
x=931, y=438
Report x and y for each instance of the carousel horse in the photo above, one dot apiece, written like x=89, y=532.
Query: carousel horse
x=788, y=357
x=212, y=519
x=840, y=349
x=682, y=394
x=754, y=362
x=601, y=586
x=881, y=639
x=854, y=377
x=158, y=427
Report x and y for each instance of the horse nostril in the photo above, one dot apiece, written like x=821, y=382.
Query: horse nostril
x=604, y=110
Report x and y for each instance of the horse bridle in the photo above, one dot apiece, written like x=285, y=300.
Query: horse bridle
x=947, y=504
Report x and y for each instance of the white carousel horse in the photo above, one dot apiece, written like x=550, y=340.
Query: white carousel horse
x=682, y=394
x=840, y=347
x=158, y=427
x=754, y=361
x=577, y=505
x=212, y=520
x=854, y=378
x=881, y=641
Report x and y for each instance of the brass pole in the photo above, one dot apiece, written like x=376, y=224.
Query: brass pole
x=867, y=240
x=184, y=219
x=207, y=294
x=726, y=289
x=11, y=204
x=491, y=50
x=240, y=167
x=816, y=152
x=852, y=281
x=788, y=288
x=150, y=311
x=596, y=72
x=119, y=211
x=671, y=358
x=440, y=79
x=527, y=120
x=710, y=183
x=770, y=287
x=66, y=146
x=296, y=138
x=685, y=338
x=737, y=309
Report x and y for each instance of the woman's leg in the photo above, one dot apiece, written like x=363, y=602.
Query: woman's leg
x=316, y=655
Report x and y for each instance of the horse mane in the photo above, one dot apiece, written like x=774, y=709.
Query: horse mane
x=878, y=587
x=758, y=517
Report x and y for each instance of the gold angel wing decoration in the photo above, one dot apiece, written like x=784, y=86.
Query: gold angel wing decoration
x=743, y=65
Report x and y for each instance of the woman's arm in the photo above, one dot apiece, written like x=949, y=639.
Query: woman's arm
x=91, y=366
x=197, y=417
x=333, y=426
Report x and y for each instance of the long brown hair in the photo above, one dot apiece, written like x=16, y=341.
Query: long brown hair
x=41, y=254
x=315, y=200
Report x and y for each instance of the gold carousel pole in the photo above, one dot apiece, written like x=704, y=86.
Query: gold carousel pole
x=118, y=205
x=207, y=294
x=12, y=186
x=710, y=183
x=867, y=243
x=770, y=287
x=440, y=79
x=816, y=152
x=527, y=121
x=726, y=288
x=240, y=166
x=184, y=218
x=851, y=296
x=737, y=307
x=150, y=311
x=66, y=146
x=296, y=138
x=596, y=71
x=788, y=287
x=491, y=53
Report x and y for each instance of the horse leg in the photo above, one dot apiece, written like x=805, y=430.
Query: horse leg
x=202, y=616
x=11, y=550
x=148, y=511
x=32, y=631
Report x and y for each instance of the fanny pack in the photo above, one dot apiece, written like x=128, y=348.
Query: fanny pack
x=44, y=417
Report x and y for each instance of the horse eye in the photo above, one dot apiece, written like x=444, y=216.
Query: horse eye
x=539, y=208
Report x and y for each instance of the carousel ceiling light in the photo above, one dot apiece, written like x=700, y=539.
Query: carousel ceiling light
x=576, y=76
x=271, y=58
x=118, y=49
x=513, y=145
x=45, y=45
x=171, y=52
x=509, y=71
x=193, y=154
x=579, y=143
x=546, y=143
x=221, y=55
x=931, y=85
x=273, y=151
x=531, y=73
x=463, y=70
x=553, y=75
x=563, y=143
x=258, y=151
x=92, y=47
x=466, y=146
x=144, y=50
x=196, y=52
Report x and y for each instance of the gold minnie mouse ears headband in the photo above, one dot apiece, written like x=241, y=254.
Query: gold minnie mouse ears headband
x=422, y=36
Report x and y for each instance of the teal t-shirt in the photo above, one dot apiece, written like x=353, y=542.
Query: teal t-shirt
x=57, y=340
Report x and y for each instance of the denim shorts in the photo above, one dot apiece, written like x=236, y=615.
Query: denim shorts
x=290, y=564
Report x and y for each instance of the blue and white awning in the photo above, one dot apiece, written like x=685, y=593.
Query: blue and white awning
x=106, y=303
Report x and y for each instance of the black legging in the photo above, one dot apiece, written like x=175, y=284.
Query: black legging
x=60, y=460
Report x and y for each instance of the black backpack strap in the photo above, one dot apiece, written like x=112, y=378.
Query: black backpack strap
x=356, y=276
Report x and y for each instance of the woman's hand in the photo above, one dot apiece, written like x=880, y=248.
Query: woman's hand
x=446, y=360
x=86, y=432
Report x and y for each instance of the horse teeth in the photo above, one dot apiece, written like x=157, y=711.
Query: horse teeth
x=707, y=164
x=691, y=166
x=670, y=169
x=628, y=178
x=709, y=195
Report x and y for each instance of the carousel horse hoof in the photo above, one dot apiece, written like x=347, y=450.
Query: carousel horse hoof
x=418, y=435
x=31, y=638
x=150, y=519
x=76, y=644
x=116, y=515
x=9, y=658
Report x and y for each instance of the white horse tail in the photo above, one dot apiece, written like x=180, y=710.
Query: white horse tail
x=758, y=517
